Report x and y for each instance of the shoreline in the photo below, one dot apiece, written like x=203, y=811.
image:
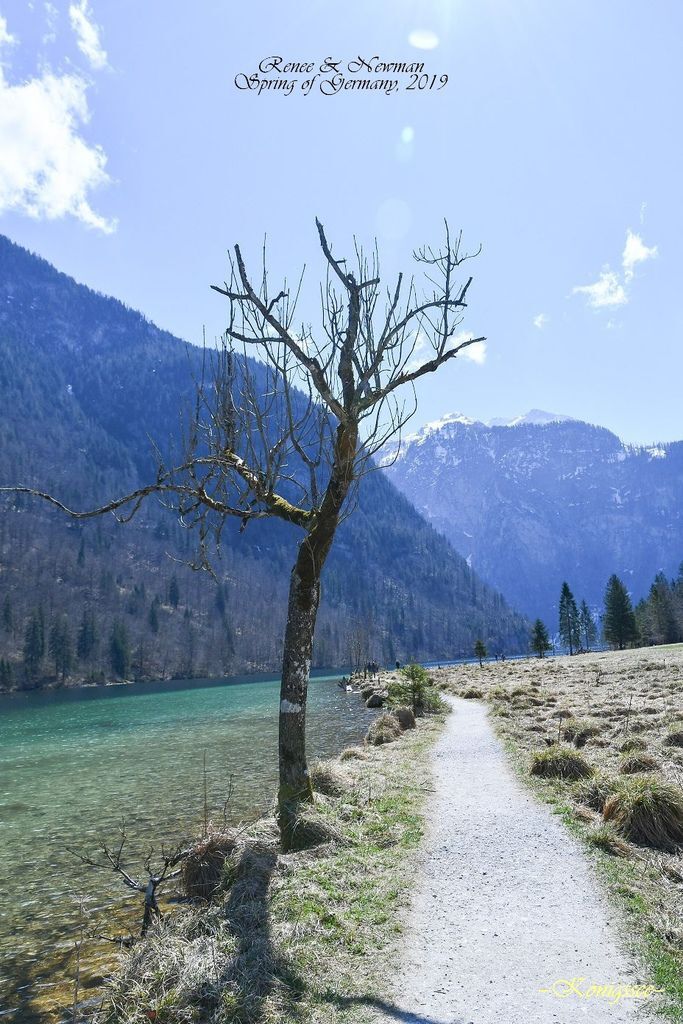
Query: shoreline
x=266, y=675
x=313, y=931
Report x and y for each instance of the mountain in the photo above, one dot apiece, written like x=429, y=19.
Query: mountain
x=86, y=386
x=535, y=416
x=542, y=498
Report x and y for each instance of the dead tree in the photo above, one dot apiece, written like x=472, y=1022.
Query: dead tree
x=148, y=889
x=291, y=437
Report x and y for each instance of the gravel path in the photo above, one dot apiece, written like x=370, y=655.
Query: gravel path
x=505, y=904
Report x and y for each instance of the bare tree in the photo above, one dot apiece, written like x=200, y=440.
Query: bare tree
x=113, y=860
x=289, y=437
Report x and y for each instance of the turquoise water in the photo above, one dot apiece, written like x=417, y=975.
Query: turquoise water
x=74, y=764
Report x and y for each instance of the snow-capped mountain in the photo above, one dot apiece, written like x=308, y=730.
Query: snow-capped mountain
x=542, y=498
x=536, y=417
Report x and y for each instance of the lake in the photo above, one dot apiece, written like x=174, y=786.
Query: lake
x=75, y=763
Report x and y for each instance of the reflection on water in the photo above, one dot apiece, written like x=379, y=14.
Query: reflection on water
x=74, y=765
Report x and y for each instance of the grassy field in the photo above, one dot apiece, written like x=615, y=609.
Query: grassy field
x=604, y=733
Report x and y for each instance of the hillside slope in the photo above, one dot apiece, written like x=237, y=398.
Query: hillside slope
x=86, y=385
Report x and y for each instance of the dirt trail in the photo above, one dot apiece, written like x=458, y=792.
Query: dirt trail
x=506, y=903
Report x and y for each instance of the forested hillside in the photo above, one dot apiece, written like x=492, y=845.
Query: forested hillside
x=87, y=387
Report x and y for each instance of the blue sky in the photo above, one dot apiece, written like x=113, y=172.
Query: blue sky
x=129, y=159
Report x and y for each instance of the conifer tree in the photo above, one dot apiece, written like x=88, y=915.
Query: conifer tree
x=174, y=592
x=119, y=650
x=86, y=643
x=153, y=617
x=663, y=611
x=569, y=620
x=6, y=674
x=34, y=644
x=7, y=615
x=480, y=651
x=588, y=631
x=619, y=623
x=61, y=647
x=540, y=640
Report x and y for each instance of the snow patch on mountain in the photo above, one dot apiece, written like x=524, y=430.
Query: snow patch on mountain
x=535, y=417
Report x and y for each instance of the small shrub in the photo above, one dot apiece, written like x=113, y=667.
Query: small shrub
x=325, y=778
x=409, y=689
x=433, y=702
x=383, y=730
x=415, y=689
x=631, y=745
x=605, y=838
x=472, y=693
x=647, y=811
x=559, y=762
x=631, y=764
x=406, y=718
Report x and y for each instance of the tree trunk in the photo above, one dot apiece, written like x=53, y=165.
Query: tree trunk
x=295, y=784
x=304, y=597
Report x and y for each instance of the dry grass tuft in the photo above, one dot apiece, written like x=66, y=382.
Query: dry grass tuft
x=674, y=738
x=579, y=731
x=648, y=812
x=671, y=871
x=638, y=762
x=472, y=693
x=632, y=744
x=326, y=778
x=558, y=762
x=353, y=754
x=596, y=791
x=605, y=838
x=311, y=830
x=202, y=870
x=384, y=729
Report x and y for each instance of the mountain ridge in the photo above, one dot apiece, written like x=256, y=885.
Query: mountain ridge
x=532, y=504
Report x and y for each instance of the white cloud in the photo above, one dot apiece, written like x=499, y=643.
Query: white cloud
x=87, y=35
x=5, y=38
x=46, y=168
x=475, y=353
x=607, y=291
x=635, y=251
x=540, y=321
x=51, y=15
x=611, y=289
